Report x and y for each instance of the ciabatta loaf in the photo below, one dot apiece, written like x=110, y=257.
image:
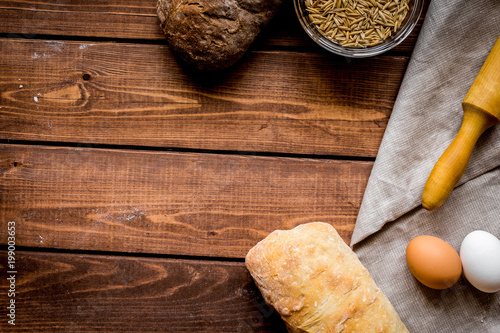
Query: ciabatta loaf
x=317, y=283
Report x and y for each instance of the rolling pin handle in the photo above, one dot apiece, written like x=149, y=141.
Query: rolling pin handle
x=481, y=108
x=452, y=164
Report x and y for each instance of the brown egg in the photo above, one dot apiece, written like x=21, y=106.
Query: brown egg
x=433, y=262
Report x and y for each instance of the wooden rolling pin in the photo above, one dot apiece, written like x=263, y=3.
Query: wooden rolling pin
x=481, y=108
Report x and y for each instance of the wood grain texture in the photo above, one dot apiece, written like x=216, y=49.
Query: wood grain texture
x=101, y=18
x=169, y=203
x=132, y=94
x=87, y=293
x=132, y=19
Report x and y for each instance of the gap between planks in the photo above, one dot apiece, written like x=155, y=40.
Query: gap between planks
x=185, y=150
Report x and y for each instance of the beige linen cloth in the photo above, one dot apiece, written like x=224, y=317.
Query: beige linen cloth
x=455, y=40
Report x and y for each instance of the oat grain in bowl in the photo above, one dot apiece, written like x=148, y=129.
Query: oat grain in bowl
x=357, y=23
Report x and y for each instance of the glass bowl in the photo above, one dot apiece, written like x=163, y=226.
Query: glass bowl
x=406, y=27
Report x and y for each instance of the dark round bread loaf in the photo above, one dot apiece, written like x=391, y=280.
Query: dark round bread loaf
x=213, y=34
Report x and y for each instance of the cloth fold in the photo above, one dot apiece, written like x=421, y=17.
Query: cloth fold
x=455, y=39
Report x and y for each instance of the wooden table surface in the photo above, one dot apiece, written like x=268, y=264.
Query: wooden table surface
x=136, y=187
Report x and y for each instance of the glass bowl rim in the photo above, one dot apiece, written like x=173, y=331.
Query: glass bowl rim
x=359, y=52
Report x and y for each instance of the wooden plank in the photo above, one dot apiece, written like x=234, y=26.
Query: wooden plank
x=89, y=293
x=169, y=203
x=101, y=18
x=279, y=101
x=134, y=20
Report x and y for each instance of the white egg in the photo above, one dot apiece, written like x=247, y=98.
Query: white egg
x=480, y=256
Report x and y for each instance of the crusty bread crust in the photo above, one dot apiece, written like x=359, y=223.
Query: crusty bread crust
x=213, y=34
x=317, y=283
